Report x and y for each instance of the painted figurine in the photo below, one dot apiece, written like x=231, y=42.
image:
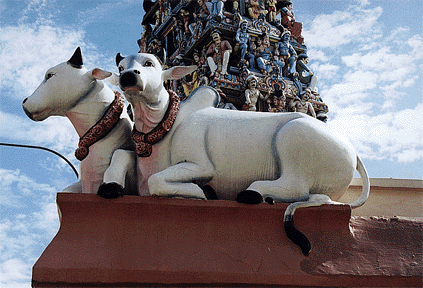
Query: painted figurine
x=254, y=9
x=287, y=54
x=201, y=70
x=185, y=19
x=215, y=8
x=288, y=21
x=302, y=105
x=252, y=94
x=265, y=50
x=202, y=11
x=218, y=54
x=200, y=16
x=271, y=7
x=305, y=75
x=244, y=40
x=287, y=15
x=278, y=103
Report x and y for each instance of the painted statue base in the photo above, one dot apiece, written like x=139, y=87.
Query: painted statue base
x=137, y=241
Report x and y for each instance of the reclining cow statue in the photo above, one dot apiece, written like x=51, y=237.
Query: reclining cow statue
x=194, y=150
x=99, y=118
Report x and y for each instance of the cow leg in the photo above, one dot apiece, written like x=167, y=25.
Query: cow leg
x=74, y=188
x=285, y=189
x=120, y=176
x=180, y=180
x=296, y=164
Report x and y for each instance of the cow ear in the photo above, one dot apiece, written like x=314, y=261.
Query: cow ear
x=100, y=74
x=76, y=59
x=119, y=58
x=177, y=72
x=113, y=79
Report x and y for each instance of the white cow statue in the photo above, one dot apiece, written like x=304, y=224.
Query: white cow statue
x=99, y=118
x=194, y=150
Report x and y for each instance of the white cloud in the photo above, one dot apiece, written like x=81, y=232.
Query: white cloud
x=56, y=132
x=325, y=70
x=393, y=135
x=15, y=273
x=416, y=42
x=340, y=28
x=38, y=12
x=367, y=81
x=27, y=52
x=13, y=181
x=364, y=2
x=23, y=232
x=98, y=12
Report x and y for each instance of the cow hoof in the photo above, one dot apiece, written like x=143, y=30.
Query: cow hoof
x=209, y=192
x=249, y=197
x=269, y=200
x=110, y=190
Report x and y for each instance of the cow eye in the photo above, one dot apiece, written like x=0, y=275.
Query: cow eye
x=149, y=63
x=120, y=68
x=49, y=75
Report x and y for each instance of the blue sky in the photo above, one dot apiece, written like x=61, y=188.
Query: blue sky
x=367, y=55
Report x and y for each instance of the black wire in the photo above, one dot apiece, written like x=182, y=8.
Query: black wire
x=46, y=149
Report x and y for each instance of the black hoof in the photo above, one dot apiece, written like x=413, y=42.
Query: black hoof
x=249, y=197
x=297, y=237
x=269, y=200
x=110, y=190
x=209, y=192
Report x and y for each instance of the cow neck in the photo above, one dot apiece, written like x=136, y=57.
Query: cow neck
x=101, y=128
x=145, y=141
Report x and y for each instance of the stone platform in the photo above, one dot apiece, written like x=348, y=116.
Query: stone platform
x=147, y=241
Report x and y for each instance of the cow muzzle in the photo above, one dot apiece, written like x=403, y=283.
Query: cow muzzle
x=129, y=79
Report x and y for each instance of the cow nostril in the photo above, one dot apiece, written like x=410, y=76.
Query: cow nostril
x=24, y=100
x=127, y=79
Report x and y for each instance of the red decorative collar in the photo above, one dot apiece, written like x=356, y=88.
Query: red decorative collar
x=145, y=141
x=101, y=128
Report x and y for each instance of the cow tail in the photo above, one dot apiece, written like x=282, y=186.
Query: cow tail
x=295, y=235
x=365, y=182
x=299, y=238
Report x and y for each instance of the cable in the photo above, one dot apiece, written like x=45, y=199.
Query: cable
x=46, y=149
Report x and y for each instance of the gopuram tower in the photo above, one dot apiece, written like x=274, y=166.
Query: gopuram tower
x=251, y=51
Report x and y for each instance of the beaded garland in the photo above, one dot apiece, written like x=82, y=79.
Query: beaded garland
x=101, y=128
x=145, y=141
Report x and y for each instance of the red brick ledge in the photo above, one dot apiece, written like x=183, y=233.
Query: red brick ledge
x=146, y=241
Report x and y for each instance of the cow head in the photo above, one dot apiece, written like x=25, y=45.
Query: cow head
x=141, y=76
x=63, y=87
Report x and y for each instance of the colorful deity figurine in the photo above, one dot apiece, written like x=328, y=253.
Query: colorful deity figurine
x=252, y=95
x=305, y=75
x=278, y=103
x=200, y=73
x=287, y=15
x=288, y=21
x=218, y=54
x=287, y=54
x=185, y=15
x=254, y=9
x=265, y=51
x=302, y=105
x=244, y=40
x=215, y=8
x=271, y=7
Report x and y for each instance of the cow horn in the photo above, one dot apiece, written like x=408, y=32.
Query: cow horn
x=119, y=58
x=76, y=59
